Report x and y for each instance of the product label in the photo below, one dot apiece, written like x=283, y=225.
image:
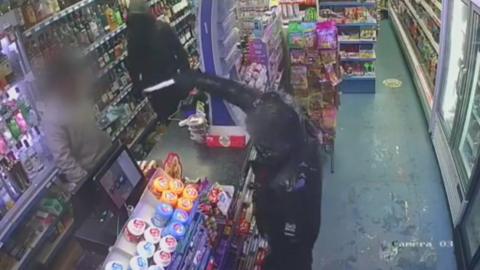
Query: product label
x=179, y=229
x=181, y=216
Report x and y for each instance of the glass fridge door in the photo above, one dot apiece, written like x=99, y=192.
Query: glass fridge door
x=467, y=141
x=470, y=231
x=453, y=63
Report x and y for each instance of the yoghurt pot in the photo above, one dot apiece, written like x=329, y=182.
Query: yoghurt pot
x=176, y=229
x=168, y=244
x=114, y=265
x=153, y=235
x=135, y=229
x=180, y=216
x=162, y=258
x=163, y=212
x=138, y=263
x=145, y=249
x=185, y=204
x=169, y=197
x=190, y=192
x=159, y=185
x=176, y=186
x=156, y=267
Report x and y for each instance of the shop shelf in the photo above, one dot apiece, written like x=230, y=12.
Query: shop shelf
x=46, y=253
x=348, y=4
x=179, y=6
x=26, y=201
x=430, y=12
x=142, y=132
x=130, y=119
x=181, y=18
x=55, y=17
x=420, y=77
x=425, y=29
x=365, y=24
x=103, y=39
x=122, y=94
x=109, y=67
x=357, y=59
x=189, y=43
x=358, y=78
x=357, y=41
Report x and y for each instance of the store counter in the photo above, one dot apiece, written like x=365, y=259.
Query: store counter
x=223, y=165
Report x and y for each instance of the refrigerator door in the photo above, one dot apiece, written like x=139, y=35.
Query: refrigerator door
x=454, y=70
x=467, y=140
x=470, y=232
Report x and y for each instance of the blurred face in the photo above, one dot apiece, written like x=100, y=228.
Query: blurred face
x=72, y=86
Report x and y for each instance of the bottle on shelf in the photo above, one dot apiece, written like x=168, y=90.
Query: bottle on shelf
x=10, y=187
x=15, y=171
x=24, y=159
x=93, y=24
x=110, y=15
x=33, y=156
x=28, y=12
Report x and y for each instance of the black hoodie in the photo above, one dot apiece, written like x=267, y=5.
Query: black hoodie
x=154, y=55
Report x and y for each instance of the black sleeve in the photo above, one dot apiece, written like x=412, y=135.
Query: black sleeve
x=234, y=92
x=177, y=48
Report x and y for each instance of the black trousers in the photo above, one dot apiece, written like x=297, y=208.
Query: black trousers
x=288, y=256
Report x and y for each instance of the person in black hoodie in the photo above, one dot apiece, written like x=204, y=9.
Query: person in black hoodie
x=154, y=55
x=287, y=168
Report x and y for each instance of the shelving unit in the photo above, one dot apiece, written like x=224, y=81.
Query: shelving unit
x=415, y=24
x=357, y=36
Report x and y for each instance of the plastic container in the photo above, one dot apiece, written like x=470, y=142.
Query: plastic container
x=138, y=263
x=145, y=249
x=175, y=229
x=162, y=258
x=185, y=204
x=114, y=265
x=159, y=185
x=190, y=192
x=176, y=186
x=156, y=267
x=153, y=235
x=163, y=212
x=168, y=244
x=135, y=229
x=169, y=197
x=180, y=216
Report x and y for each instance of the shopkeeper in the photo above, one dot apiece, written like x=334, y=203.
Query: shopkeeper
x=69, y=123
x=155, y=54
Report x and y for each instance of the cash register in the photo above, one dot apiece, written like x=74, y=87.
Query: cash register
x=102, y=203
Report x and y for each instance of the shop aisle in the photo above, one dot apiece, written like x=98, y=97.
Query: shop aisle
x=387, y=185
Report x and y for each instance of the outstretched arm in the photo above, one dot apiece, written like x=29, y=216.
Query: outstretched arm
x=233, y=92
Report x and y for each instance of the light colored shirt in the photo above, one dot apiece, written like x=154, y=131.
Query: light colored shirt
x=73, y=137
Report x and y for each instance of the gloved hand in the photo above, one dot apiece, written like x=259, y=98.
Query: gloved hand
x=185, y=81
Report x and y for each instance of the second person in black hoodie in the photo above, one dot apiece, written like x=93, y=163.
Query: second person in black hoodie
x=155, y=54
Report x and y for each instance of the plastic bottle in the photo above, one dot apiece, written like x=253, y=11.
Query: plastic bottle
x=33, y=157
x=110, y=15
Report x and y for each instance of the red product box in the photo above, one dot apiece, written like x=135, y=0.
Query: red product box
x=239, y=141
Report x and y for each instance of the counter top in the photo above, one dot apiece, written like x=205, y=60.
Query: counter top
x=222, y=165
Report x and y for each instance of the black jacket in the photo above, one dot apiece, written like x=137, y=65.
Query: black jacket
x=155, y=54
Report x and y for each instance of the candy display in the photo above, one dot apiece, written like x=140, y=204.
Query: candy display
x=153, y=235
x=135, y=229
x=262, y=59
x=168, y=243
x=138, y=263
x=195, y=231
x=113, y=265
x=163, y=212
x=162, y=258
x=145, y=249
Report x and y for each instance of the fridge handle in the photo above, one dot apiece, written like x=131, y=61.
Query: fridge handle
x=460, y=78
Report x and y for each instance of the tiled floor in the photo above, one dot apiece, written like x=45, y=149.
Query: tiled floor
x=385, y=206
